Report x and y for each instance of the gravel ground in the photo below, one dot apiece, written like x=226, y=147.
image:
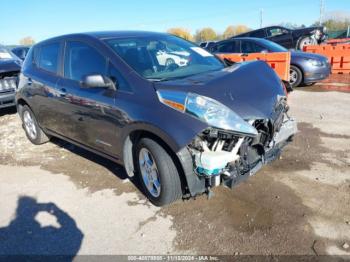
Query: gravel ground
x=57, y=198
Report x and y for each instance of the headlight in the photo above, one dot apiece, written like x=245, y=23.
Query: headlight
x=315, y=62
x=207, y=110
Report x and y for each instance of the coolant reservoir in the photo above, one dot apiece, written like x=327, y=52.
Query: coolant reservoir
x=212, y=163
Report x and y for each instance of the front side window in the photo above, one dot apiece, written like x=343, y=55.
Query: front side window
x=275, y=31
x=82, y=60
x=48, y=59
x=164, y=57
x=251, y=47
x=228, y=47
x=118, y=79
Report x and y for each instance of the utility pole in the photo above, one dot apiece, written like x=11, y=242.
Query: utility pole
x=321, y=11
x=261, y=17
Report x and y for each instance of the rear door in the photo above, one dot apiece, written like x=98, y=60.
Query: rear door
x=42, y=83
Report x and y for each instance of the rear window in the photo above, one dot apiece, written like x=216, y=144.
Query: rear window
x=48, y=59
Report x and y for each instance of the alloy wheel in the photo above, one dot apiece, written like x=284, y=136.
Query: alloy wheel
x=149, y=172
x=29, y=125
x=293, y=77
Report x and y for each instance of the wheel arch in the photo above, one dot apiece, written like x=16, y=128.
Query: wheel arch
x=20, y=103
x=128, y=153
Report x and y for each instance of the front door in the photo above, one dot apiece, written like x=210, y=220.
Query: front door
x=89, y=111
x=280, y=36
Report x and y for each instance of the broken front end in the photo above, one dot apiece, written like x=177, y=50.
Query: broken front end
x=231, y=148
x=223, y=157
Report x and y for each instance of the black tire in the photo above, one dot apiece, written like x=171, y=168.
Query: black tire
x=310, y=84
x=295, y=81
x=40, y=137
x=169, y=179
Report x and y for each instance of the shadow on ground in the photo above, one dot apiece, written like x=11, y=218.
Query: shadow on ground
x=8, y=111
x=26, y=236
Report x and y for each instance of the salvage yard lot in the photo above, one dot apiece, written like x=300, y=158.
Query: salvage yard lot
x=298, y=205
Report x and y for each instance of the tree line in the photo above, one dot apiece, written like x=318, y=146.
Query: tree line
x=208, y=33
x=334, y=23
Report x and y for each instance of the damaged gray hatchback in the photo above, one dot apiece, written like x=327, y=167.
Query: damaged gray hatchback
x=174, y=115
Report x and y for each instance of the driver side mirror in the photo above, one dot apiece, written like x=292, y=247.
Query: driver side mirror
x=97, y=81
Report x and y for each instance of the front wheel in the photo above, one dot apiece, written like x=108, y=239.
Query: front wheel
x=295, y=76
x=157, y=173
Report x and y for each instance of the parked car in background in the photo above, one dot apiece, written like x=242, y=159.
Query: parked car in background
x=20, y=51
x=10, y=66
x=168, y=55
x=290, y=38
x=306, y=68
x=207, y=45
x=181, y=130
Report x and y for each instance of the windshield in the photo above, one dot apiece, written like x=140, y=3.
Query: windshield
x=272, y=46
x=164, y=57
x=5, y=54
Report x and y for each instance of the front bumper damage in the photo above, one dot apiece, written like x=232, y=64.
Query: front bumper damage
x=218, y=157
x=7, y=91
x=281, y=139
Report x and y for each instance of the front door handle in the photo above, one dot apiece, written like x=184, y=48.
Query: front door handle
x=29, y=81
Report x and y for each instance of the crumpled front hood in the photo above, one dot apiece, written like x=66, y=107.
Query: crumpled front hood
x=9, y=65
x=250, y=89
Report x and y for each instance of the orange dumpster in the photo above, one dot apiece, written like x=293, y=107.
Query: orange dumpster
x=280, y=62
x=338, y=56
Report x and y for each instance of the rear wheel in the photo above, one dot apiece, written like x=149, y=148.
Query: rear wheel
x=305, y=41
x=157, y=173
x=34, y=133
x=295, y=76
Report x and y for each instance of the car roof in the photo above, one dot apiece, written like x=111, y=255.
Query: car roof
x=263, y=28
x=101, y=35
x=261, y=40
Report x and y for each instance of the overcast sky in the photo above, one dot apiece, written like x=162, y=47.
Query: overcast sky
x=43, y=19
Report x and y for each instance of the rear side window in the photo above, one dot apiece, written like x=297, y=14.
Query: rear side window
x=48, y=59
x=81, y=60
